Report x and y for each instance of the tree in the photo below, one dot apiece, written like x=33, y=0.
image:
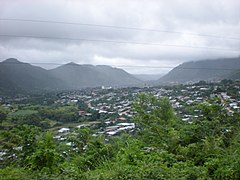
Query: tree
x=20, y=143
x=156, y=121
x=80, y=138
x=3, y=116
x=45, y=154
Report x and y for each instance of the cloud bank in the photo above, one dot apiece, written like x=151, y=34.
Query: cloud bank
x=220, y=18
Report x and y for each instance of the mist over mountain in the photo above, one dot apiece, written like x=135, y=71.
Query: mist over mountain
x=203, y=70
x=19, y=77
x=148, y=77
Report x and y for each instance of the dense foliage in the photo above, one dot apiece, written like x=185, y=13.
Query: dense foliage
x=161, y=147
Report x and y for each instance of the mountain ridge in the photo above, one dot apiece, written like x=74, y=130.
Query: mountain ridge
x=21, y=77
x=208, y=70
x=80, y=76
x=17, y=76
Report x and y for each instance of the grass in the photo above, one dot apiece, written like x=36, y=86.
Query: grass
x=7, y=124
x=23, y=112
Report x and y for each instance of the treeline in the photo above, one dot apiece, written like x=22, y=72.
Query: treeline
x=43, y=116
x=161, y=147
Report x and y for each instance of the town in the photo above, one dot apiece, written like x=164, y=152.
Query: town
x=109, y=110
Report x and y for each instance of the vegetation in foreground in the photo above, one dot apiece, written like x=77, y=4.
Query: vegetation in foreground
x=161, y=147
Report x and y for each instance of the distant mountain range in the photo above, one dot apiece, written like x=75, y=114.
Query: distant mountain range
x=19, y=77
x=208, y=70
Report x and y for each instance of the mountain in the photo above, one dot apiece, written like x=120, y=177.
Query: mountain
x=77, y=76
x=19, y=77
x=201, y=70
x=16, y=76
x=235, y=75
x=118, y=77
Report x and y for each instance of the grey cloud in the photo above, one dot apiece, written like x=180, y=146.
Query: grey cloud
x=216, y=17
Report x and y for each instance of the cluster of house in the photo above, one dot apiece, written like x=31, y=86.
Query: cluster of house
x=109, y=130
x=192, y=94
x=112, y=130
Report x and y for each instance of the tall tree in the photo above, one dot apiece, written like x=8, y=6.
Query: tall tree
x=156, y=121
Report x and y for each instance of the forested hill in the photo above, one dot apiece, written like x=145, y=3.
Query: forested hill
x=78, y=76
x=18, y=77
x=234, y=75
x=203, y=70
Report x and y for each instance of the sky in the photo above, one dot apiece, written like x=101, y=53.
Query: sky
x=140, y=36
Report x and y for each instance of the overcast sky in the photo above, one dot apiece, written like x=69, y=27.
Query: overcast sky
x=219, y=18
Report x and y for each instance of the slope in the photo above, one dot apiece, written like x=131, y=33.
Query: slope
x=17, y=77
x=77, y=76
x=201, y=70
